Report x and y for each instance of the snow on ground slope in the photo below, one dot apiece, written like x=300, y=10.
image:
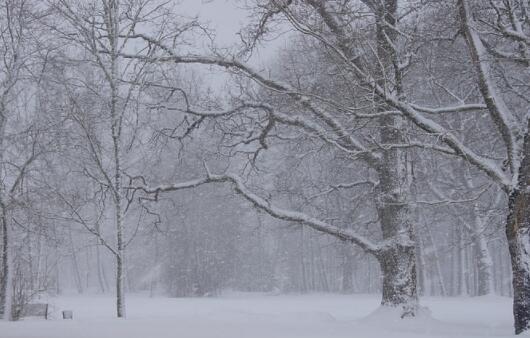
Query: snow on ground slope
x=257, y=316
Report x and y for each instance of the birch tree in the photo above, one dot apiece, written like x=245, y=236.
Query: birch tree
x=98, y=32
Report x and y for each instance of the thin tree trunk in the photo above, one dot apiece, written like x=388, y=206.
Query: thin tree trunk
x=153, y=283
x=41, y=253
x=485, y=282
x=75, y=265
x=437, y=265
x=347, y=269
x=112, y=23
x=424, y=283
x=303, y=281
x=462, y=268
x=100, y=272
x=6, y=287
x=484, y=260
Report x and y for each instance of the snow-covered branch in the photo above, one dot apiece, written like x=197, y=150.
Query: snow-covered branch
x=238, y=66
x=408, y=110
x=450, y=109
x=265, y=205
x=501, y=115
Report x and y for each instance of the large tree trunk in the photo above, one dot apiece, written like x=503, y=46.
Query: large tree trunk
x=518, y=235
x=398, y=266
x=398, y=260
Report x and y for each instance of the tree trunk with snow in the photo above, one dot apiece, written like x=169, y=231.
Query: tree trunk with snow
x=398, y=261
x=518, y=235
x=116, y=116
x=398, y=266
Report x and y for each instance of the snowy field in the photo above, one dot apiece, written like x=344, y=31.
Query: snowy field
x=251, y=315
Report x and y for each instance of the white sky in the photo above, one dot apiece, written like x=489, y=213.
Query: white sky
x=227, y=17
x=223, y=15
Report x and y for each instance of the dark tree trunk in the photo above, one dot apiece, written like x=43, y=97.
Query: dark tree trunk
x=517, y=233
x=120, y=298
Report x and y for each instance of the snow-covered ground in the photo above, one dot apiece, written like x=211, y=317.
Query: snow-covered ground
x=267, y=316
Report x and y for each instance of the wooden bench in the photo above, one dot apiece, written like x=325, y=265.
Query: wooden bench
x=35, y=310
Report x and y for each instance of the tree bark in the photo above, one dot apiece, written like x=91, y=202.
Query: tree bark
x=398, y=266
x=112, y=22
x=398, y=261
x=518, y=235
x=6, y=288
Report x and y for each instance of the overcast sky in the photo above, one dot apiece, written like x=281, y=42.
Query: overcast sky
x=227, y=17
x=223, y=15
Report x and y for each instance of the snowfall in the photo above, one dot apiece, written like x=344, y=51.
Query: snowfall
x=237, y=315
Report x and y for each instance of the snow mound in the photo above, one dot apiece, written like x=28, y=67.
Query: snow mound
x=393, y=314
x=390, y=319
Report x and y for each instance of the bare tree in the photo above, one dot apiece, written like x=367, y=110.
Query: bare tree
x=97, y=30
x=18, y=44
x=100, y=31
